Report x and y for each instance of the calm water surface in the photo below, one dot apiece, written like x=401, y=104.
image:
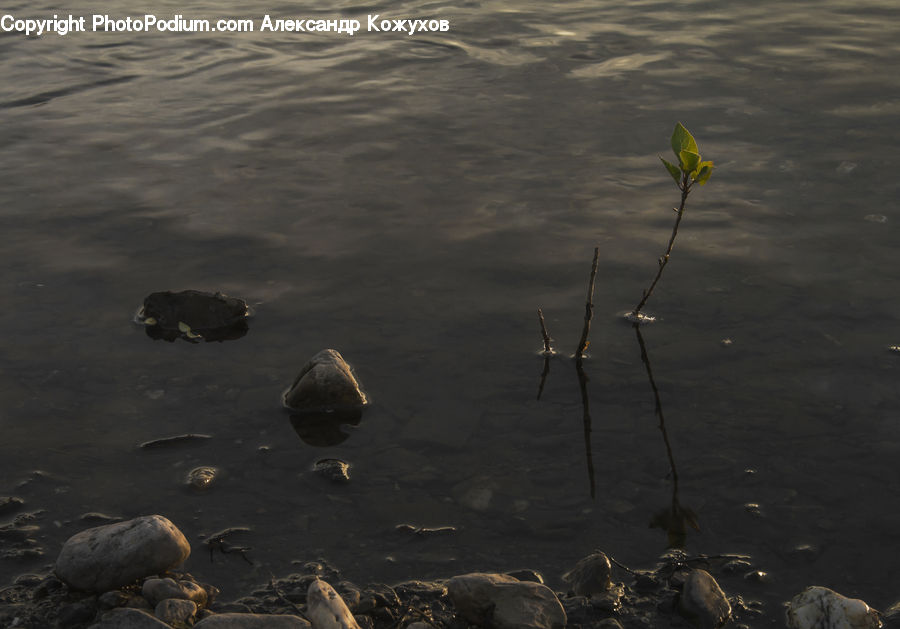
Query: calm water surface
x=411, y=201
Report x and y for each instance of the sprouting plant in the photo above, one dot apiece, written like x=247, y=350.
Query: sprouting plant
x=689, y=171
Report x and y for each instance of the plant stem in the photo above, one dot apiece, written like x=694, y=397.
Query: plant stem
x=547, y=349
x=588, y=310
x=685, y=188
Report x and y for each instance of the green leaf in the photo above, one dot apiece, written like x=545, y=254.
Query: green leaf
x=673, y=170
x=689, y=161
x=682, y=140
x=704, y=172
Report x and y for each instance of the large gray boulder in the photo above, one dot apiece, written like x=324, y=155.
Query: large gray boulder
x=499, y=601
x=252, y=621
x=325, y=382
x=114, y=555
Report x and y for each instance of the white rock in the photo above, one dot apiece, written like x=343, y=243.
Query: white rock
x=252, y=621
x=325, y=382
x=326, y=609
x=703, y=602
x=114, y=555
x=820, y=608
x=176, y=611
x=503, y=602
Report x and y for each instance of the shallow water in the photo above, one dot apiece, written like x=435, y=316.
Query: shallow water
x=412, y=201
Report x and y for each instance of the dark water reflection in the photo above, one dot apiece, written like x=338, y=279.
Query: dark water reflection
x=410, y=201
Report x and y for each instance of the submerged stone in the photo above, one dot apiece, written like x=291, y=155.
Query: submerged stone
x=820, y=608
x=202, y=478
x=193, y=315
x=335, y=470
x=325, y=382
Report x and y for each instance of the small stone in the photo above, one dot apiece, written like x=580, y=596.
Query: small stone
x=252, y=621
x=326, y=609
x=502, y=602
x=156, y=590
x=335, y=470
x=176, y=611
x=202, y=478
x=820, y=608
x=128, y=618
x=325, y=382
x=195, y=592
x=726, y=342
x=703, y=602
x=112, y=599
x=590, y=575
x=114, y=555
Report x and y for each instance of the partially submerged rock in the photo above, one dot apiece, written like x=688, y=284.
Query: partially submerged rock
x=820, y=608
x=114, y=555
x=500, y=601
x=325, y=383
x=703, y=602
x=194, y=315
x=335, y=470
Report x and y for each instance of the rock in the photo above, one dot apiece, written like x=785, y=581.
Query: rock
x=196, y=593
x=201, y=478
x=114, y=555
x=334, y=470
x=128, y=618
x=590, y=575
x=325, y=382
x=820, y=608
x=703, y=602
x=176, y=611
x=156, y=590
x=193, y=315
x=8, y=504
x=252, y=621
x=326, y=609
x=499, y=601
x=891, y=617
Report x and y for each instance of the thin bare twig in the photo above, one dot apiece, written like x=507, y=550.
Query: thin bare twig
x=548, y=349
x=588, y=310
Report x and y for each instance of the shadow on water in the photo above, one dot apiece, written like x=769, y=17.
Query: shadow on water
x=323, y=429
x=674, y=518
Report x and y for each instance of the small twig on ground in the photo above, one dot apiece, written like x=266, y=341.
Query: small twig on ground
x=588, y=311
x=621, y=565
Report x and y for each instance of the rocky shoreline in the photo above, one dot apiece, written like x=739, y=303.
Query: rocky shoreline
x=125, y=576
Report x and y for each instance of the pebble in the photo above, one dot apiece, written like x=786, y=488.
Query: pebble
x=503, y=602
x=156, y=590
x=703, y=602
x=114, y=555
x=202, y=478
x=175, y=611
x=820, y=608
x=335, y=470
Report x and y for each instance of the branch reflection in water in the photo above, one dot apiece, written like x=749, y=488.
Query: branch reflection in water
x=674, y=518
